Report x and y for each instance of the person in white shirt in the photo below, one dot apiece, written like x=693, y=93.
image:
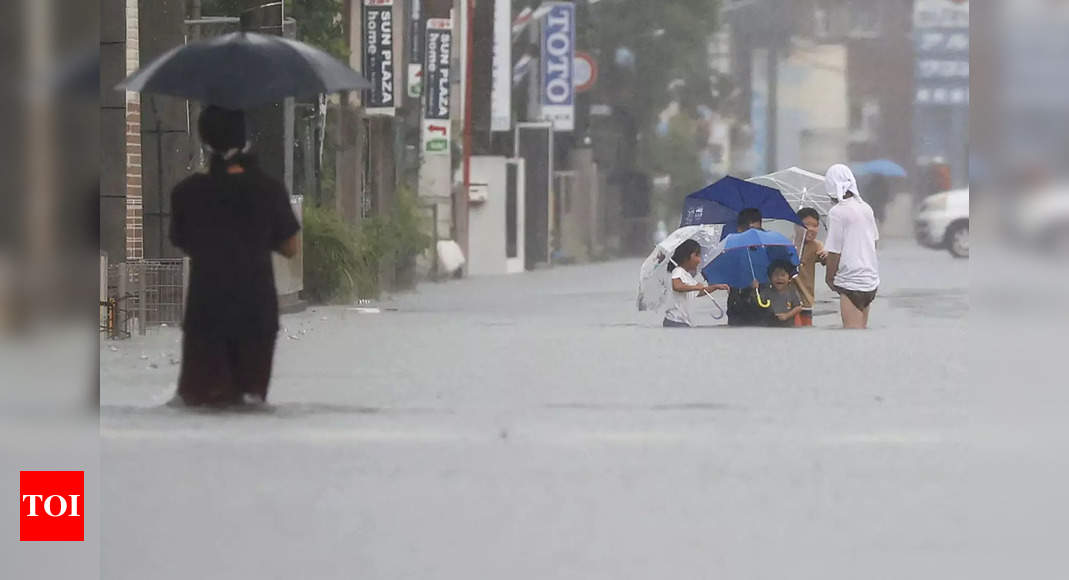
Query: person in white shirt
x=853, y=270
x=687, y=284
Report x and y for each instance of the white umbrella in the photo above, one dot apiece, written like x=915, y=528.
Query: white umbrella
x=799, y=187
x=654, y=282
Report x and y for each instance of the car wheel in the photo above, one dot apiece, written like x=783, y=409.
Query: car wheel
x=958, y=240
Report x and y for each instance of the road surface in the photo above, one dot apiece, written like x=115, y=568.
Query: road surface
x=537, y=427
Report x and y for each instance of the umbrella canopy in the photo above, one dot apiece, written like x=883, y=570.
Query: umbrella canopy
x=242, y=70
x=799, y=187
x=881, y=167
x=721, y=202
x=745, y=257
x=654, y=280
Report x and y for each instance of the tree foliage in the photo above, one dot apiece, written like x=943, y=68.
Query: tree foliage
x=319, y=22
x=676, y=154
x=669, y=41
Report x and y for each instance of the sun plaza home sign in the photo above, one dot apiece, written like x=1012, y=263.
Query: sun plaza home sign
x=436, y=130
x=378, y=56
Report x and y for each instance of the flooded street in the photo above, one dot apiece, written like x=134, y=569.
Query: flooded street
x=537, y=427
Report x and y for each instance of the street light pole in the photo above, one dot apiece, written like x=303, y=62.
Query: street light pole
x=773, y=108
x=464, y=197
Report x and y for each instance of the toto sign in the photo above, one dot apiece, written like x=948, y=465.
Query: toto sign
x=557, y=95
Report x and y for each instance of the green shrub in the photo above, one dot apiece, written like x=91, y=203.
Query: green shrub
x=342, y=262
x=410, y=229
x=332, y=257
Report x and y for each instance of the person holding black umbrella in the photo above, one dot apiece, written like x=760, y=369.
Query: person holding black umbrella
x=229, y=221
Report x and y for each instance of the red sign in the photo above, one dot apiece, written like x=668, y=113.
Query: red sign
x=586, y=72
x=51, y=506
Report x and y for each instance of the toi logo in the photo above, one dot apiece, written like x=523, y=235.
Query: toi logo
x=51, y=506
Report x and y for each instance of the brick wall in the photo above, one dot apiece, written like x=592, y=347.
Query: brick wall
x=135, y=235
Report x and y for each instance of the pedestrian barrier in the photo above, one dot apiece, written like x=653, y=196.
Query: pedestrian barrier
x=149, y=293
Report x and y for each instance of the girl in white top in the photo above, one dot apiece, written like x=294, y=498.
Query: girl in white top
x=687, y=284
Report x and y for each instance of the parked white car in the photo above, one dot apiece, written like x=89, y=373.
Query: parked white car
x=1041, y=219
x=943, y=222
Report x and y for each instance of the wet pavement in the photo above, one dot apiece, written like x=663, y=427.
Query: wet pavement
x=536, y=426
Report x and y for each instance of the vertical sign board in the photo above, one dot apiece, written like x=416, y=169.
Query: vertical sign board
x=534, y=143
x=436, y=122
x=415, y=49
x=379, y=56
x=557, y=86
x=941, y=81
x=941, y=44
x=511, y=213
x=501, y=89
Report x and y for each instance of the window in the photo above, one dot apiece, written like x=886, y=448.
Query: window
x=837, y=19
x=865, y=119
x=866, y=19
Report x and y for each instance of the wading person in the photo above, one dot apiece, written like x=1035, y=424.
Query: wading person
x=229, y=221
x=785, y=305
x=810, y=253
x=687, y=285
x=743, y=309
x=852, y=267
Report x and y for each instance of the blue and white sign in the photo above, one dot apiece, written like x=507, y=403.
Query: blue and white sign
x=941, y=45
x=941, y=85
x=557, y=86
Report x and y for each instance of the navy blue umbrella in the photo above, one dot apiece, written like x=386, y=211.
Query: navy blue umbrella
x=721, y=202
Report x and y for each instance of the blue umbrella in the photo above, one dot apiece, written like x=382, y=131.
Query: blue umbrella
x=721, y=202
x=745, y=257
x=882, y=167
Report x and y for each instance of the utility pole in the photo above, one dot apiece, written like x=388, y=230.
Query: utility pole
x=349, y=165
x=379, y=39
x=268, y=124
x=463, y=197
x=481, y=75
x=778, y=20
x=773, y=108
x=435, y=145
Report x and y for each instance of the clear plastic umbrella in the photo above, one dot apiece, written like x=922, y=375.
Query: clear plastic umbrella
x=799, y=187
x=654, y=279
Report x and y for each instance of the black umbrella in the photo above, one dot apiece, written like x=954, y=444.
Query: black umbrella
x=242, y=70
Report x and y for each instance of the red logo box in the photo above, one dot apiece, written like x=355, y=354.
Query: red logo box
x=52, y=506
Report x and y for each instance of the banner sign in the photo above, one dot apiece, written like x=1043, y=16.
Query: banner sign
x=557, y=88
x=501, y=89
x=378, y=56
x=436, y=109
x=415, y=48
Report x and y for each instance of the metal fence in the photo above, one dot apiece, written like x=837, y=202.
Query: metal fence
x=144, y=294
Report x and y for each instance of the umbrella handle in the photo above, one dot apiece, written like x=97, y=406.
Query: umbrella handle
x=761, y=301
x=717, y=304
